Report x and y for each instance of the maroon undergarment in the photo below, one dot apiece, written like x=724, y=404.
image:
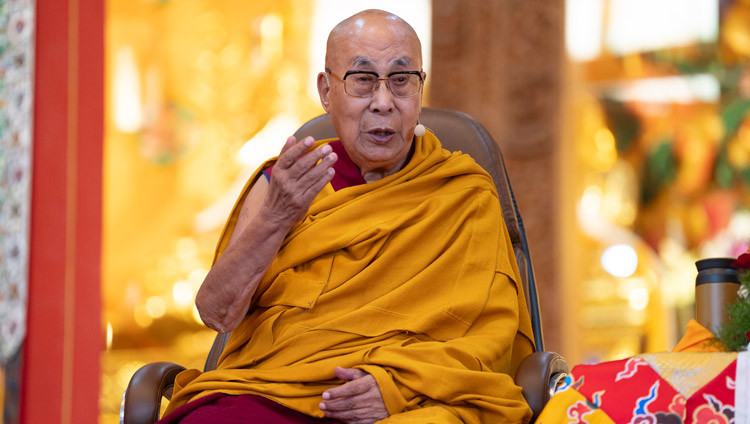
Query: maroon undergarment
x=219, y=408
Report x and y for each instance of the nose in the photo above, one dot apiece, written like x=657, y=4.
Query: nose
x=382, y=99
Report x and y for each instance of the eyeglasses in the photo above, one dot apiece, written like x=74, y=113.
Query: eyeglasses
x=364, y=83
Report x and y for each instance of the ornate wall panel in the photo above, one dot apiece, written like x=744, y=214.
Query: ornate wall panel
x=16, y=85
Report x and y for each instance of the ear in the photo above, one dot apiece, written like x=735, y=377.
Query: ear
x=324, y=90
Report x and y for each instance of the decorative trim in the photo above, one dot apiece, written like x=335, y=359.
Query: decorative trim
x=71, y=199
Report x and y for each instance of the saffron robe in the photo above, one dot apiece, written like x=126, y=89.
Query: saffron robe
x=410, y=278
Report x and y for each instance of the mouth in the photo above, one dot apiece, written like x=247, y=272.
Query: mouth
x=381, y=135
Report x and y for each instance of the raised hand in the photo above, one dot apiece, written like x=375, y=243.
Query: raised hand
x=358, y=401
x=268, y=212
x=296, y=179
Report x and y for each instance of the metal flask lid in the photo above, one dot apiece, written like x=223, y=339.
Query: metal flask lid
x=716, y=270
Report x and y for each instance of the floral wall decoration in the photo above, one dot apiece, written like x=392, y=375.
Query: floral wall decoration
x=16, y=96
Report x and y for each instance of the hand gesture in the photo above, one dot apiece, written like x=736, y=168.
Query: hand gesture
x=296, y=179
x=358, y=401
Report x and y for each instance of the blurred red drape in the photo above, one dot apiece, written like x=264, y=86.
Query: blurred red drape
x=62, y=350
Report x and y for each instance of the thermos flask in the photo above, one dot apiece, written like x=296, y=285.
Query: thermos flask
x=715, y=289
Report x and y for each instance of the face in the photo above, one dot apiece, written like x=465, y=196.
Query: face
x=376, y=131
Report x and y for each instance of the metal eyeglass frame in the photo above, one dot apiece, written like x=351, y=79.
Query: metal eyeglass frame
x=377, y=83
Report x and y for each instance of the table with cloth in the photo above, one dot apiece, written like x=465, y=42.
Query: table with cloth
x=695, y=383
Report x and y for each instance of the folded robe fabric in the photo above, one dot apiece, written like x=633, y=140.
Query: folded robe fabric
x=698, y=338
x=410, y=278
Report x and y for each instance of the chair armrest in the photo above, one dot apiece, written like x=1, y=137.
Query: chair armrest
x=538, y=375
x=141, y=401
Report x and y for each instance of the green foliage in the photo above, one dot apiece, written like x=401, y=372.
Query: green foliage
x=659, y=170
x=723, y=171
x=625, y=124
x=733, y=115
x=745, y=175
x=734, y=334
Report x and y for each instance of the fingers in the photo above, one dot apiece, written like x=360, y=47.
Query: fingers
x=316, y=177
x=358, y=407
x=318, y=185
x=291, y=141
x=293, y=151
x=355, y=416
x=352, y=388
x=298, y=176
x=308, y=160
x=357, y=401
x=348, y=374
x=293, y=148
x=296, y=162
x=368, y=408
x=352, y=404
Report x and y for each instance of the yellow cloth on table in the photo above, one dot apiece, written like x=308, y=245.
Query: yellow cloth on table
x=688, y=372
x=697, y=338
x=410, y=278
x=571, y=406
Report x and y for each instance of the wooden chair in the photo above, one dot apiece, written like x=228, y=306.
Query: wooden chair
x=537, y=375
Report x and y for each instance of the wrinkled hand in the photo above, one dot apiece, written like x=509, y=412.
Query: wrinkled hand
x=296, y=179
x=358, y=401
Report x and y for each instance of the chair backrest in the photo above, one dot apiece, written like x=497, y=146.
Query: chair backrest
x=457, y=132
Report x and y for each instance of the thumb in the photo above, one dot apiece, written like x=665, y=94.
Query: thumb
x=348, y=374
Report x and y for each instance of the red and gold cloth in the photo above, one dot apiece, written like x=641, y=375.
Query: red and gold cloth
x=649, y=389
x=696, y=383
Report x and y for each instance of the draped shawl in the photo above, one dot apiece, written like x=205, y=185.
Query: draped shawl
x=410, y=278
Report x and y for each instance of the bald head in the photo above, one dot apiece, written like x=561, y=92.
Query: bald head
x=366, y=26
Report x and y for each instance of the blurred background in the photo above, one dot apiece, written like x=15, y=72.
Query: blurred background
x=625, y=126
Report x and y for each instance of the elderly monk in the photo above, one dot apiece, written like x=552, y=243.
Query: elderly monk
x=365, y=278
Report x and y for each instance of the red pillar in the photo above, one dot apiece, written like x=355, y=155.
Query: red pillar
x=62, y=350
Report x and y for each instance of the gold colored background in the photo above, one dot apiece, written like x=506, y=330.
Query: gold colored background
x=212, y=75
